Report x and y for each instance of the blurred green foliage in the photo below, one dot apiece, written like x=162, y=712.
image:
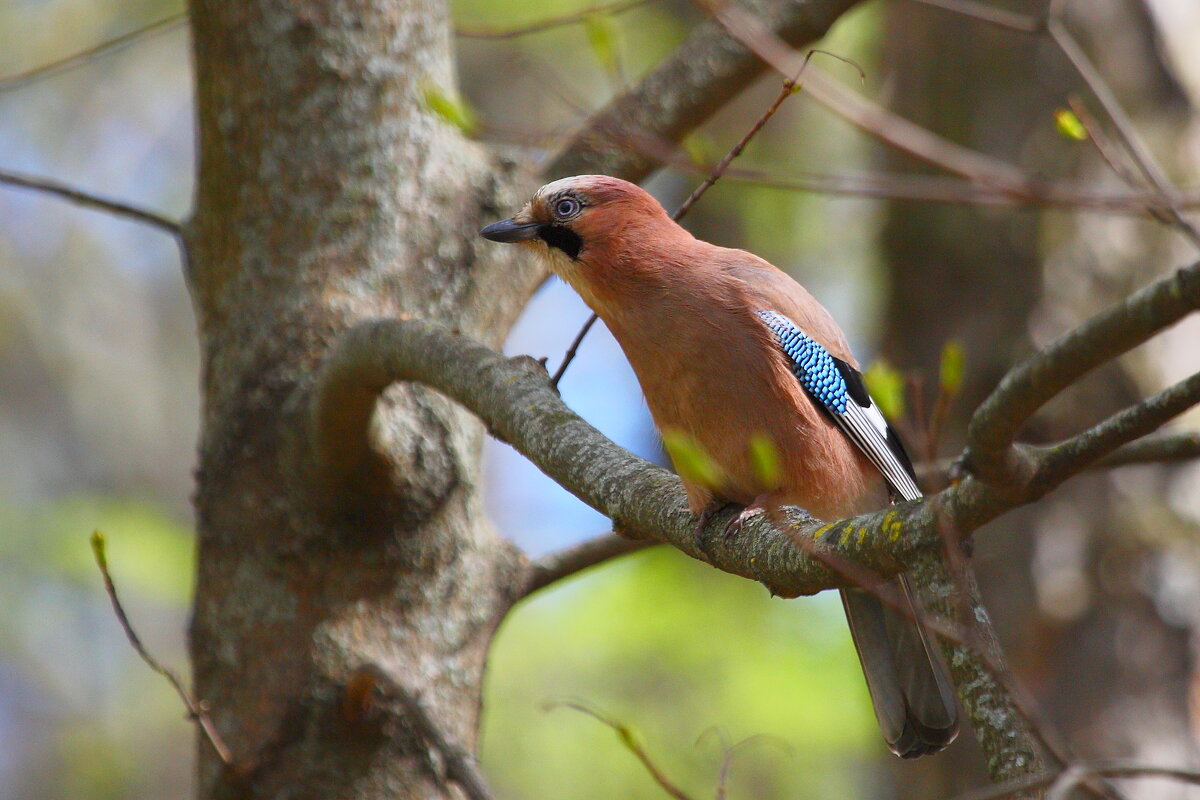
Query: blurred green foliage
x=118, y=730
x=692, y=463
x=675, y=650
x=953, y=369
x=885, y=384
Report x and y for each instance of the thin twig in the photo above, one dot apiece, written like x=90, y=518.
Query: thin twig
x=937, y=189
x=1123, y=125
x=196, y=709
x=573, y=349
x=88, y=200
x=1104, y=769
x=1100, y=141
x=562, y=564
x=1021, y=23
x=486, y=32
x=730, y=749
x=22, y=79
x=788, y=89
x=872, y=118
x=1030, y=191
x=630, y=740
x=461, y=766
x=1080, y=774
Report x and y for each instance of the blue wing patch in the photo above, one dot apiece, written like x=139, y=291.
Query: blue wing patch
x=810, y=362
x=848, y=404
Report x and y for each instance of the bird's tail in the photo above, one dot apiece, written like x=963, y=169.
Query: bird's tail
x=909, y=687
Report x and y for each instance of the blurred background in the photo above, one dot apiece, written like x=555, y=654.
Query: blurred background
x=1096, y=591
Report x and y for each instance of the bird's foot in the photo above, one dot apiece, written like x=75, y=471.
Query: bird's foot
x=760, y=505
x=706, y=514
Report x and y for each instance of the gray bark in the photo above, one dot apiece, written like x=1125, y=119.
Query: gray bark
x=326, y=194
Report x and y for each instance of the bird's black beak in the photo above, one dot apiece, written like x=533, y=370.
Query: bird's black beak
x=509, y=230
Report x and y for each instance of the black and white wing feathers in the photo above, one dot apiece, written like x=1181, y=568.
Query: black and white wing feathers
x=838, y=389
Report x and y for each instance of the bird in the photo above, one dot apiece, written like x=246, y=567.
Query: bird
x=730, y=350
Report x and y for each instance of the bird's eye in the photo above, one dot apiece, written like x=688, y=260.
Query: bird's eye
x=566, y=207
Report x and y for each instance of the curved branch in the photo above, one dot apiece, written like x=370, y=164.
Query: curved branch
x=88, y=200
x=513, y=397
x=550, y=23
x=1027, y=387
x=698, y=78
x=572, y=560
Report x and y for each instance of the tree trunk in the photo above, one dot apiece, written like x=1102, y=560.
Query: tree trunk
x=327, y=194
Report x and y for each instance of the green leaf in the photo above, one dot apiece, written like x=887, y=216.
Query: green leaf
x=450, y=107
x=98, y=549
x=602, y=37
x=954, y=360
x=764, y=457
x=690, y=460
x=1069, y=125
x=886, y=386
x=698, y=148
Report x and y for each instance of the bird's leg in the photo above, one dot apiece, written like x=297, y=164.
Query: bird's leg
x=763, y=504
x=713, y=508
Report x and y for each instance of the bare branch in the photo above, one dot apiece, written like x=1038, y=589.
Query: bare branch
x=700, y=76
x=1004, y=729
x=1035, y=191
x=196, y=709
x=938, y=189
x=633, y=745
x=714, y=175
x=1124, y=126
x=564, y=563
x=1154, y=450
x=1079, y=771
x=459, y=763
x=1163, y=449
x=874, y=119
x=1021, y=23
x=486, y=32
x=569, y=356
x=1069, y=457
x=88, y=200
x=21, y=79
x=991, y=453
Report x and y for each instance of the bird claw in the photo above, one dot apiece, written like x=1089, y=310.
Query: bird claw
x=734, y=528
x=706, y=515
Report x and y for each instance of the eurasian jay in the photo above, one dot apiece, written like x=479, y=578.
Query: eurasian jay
x=729, y=349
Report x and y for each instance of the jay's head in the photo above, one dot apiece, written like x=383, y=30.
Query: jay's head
x=581, y=219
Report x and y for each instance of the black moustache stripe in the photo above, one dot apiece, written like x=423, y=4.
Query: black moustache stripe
x=563, y=238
